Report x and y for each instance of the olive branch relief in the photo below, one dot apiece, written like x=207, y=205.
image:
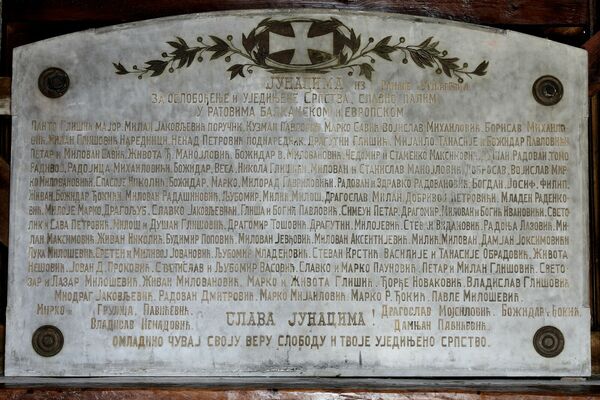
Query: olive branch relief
x=351, y=52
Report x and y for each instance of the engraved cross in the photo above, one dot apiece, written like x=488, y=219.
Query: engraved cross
x=301, y=43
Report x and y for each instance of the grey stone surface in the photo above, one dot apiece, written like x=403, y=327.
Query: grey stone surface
x=383, y=197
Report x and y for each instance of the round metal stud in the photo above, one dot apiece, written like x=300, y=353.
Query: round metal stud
x=53, y=82
x=547, y=90
x=47, y=341
x=548, y=341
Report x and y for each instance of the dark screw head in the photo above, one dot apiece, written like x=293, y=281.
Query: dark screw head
x=548, y=341
x=53, y=82
x=47, y=341
x=547, y=90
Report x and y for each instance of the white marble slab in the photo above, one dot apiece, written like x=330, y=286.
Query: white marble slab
x=299, y=193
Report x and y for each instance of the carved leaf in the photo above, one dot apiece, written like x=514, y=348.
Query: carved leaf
x=337, y=20
x=383, y=50
x=481, y=69
x=425, y=42
x=448, y=65
x=343, y=58
x=416, y=59
x=446, y=69
x=120, y=69
x=249, y=41
x=421, y=58
x=281, y=28
x=366, y=70
x=428, y=59
x=263, y=22
x=179, y=44
x=319, y=28
x=156, y=66
x=220, y=48
x=237, y=69
x=260, y=55
x=354, y=41
x=432, y=48
x=383, y=42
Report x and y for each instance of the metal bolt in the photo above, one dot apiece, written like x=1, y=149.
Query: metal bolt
x=547, y=90
x=47, y=341
x=548, y=341
x=53, y=82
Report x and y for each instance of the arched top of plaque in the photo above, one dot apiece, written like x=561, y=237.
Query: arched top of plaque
x=298, y=193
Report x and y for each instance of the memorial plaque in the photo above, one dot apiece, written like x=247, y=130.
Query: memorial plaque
x=299, y=193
